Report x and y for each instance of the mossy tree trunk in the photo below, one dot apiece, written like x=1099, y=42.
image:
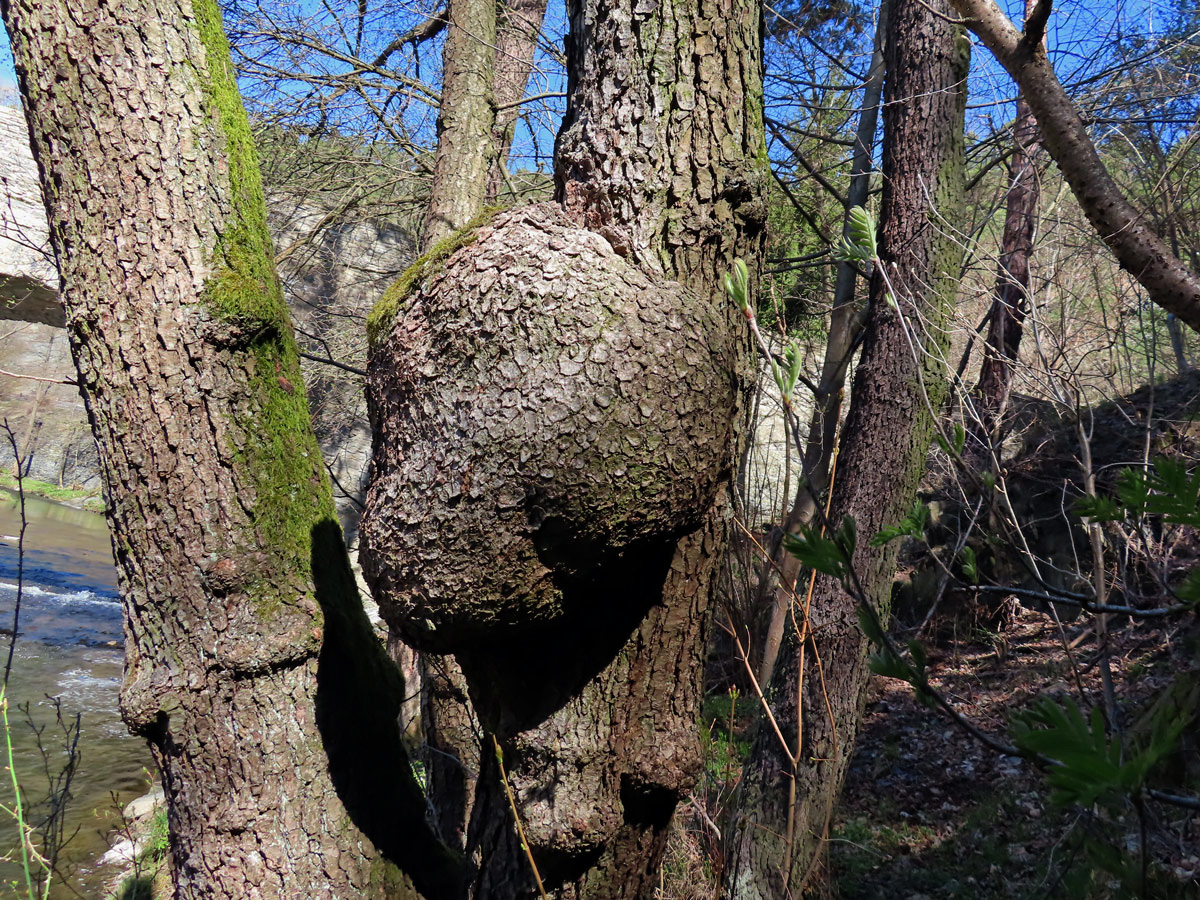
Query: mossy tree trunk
x=817, y=693
x=250, y=667
x=527, y=423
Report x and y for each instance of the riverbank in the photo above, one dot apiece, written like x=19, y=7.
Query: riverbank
x=69, y=647
x=89, y=499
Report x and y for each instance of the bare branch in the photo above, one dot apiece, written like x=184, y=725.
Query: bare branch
x=67, y=381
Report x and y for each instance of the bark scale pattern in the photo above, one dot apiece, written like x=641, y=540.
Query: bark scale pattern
x=662, y=159
x=661, y=148
x=549, y=411
x=232, y=571
x=598, y=779
x=778, y=848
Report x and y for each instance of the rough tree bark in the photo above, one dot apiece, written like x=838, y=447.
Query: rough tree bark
x=1142, y=253
x=1010, y=304
x=557, y=408
x=817, y=694
x=250, y=666
x=471, y=139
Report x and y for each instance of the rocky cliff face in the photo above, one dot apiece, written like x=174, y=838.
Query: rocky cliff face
x=333, y=269
x=28, y=278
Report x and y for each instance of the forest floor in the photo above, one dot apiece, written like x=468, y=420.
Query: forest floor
x=930, y=812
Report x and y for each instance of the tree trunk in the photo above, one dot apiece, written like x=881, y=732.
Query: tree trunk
x=468, y=139
x=845, y=326
x=817, y=693
x=1011, y=302
x=516, y=41
x=250, y=666
x=557, y=406
x=465, y=119
x=1142, y=253
x=451, y=750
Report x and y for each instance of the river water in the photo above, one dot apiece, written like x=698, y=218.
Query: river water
x=68, y=647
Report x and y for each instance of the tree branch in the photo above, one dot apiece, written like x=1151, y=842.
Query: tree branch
x=426, y=31
x=1170, y=283
x=1035, y=24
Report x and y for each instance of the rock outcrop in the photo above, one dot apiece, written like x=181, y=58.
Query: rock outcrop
x=28, y=277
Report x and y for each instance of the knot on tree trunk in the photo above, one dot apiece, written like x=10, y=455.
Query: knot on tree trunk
x=546, y=414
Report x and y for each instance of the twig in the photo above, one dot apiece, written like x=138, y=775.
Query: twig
x=704, y=815
x=12, y=641
x=1076, y=601
x=925, y=688
x=66, y=381
x=320, y=359
x=17, y=811
x=1174, y=799
x=758, y=692
x=512, y=804
x=345, y=493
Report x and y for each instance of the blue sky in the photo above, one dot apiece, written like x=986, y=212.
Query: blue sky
x=8, y=78
x=1077, y=29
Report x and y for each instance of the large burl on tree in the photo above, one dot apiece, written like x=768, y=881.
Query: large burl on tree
x=549, y=419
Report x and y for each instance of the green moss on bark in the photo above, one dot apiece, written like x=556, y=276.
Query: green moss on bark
x=946, y=260
x=291, y=487
x=383, y=313
x=279, y=450
x=244, y=249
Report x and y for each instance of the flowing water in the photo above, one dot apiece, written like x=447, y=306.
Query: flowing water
x=68, y=647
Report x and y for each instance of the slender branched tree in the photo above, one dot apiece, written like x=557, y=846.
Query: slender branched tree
x=795, y=770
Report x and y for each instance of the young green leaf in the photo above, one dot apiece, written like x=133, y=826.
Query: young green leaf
x=1088, y=764
x=913, y=525
x=815, y=551
x=970, y=567
x=858, y=245
x=737, y=286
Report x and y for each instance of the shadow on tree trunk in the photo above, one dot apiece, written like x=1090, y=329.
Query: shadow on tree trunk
x=520, y=681
x=359, y=692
